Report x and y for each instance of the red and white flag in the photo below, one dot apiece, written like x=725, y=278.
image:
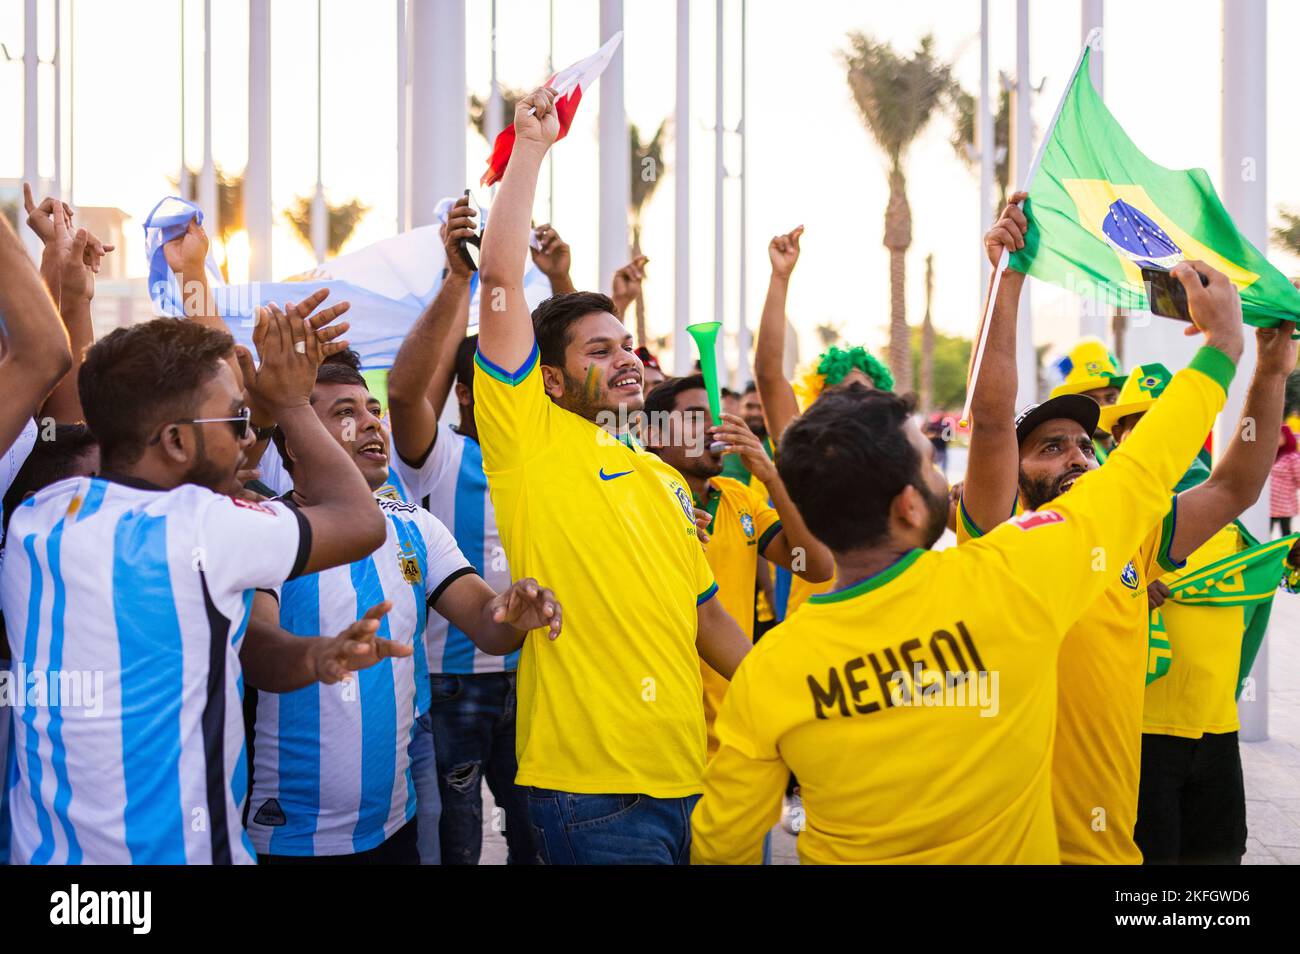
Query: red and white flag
x=569, y=85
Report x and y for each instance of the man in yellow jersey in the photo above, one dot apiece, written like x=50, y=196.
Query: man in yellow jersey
x=610, y=732
x=1102, y=667
x=917, y=700
x=1192, y=797
x=742, y=524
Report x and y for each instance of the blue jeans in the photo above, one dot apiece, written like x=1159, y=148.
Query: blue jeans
x=428, y=806
x=574, y=829
x=473, y=719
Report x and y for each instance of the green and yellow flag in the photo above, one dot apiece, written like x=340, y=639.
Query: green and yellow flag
x=1160, y=654
x=1100, y=211
x=1248, y=578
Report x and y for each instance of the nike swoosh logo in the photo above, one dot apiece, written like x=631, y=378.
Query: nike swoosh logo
x=605, y=476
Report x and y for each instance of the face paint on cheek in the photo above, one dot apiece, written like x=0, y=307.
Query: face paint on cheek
x=590, y=387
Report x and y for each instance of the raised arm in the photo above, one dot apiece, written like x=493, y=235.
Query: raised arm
x=779, y=404
x=719, y=639
x=275, y=660
x=36, y=354
x=552, y=258
x=794, y=545
x=422, y=372
x=625, y=286
x=1239, y=477
x=993, y=467
x=505, y=326
x=69, y=264
x=345, y=523
x=187, y=256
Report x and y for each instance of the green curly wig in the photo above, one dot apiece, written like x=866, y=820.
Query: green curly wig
x=836, y=363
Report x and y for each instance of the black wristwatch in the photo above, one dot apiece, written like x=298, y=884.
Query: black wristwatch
x=264, y=433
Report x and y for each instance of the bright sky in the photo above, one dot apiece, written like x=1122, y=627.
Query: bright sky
x=810, y=161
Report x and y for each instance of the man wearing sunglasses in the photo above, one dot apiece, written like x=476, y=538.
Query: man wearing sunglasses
x=127, y=596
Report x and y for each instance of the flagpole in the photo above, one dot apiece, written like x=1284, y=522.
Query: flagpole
x=1093, y=36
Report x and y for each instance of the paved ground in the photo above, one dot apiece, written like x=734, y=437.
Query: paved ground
x=1272, y=768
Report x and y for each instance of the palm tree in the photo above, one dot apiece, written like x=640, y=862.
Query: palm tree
x=230, y=202
x=1288, y=235
x=927, y=340
x=647, y=160
x=478, y=109
x=343, y=220
x=963, y=136
x=897, y=96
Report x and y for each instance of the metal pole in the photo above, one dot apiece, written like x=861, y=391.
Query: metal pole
x=72, y=101
x=31, y=118
x=492, y=122
x=1245, y=194
x=615, y=158
x=257, y=174
x=403, y=213
x=742, y=336
x=1092, y=13
x=550, y=71
x=185, y=183
x=986, y=143
x=57, y=187
x=208, y=200
x=1026, y=362
x=439, y=106
x=682, y=195
x=319, y=214
x=719, y=174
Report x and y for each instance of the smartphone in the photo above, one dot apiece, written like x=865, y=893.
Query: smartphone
x=1166, y=296
x=470, y=245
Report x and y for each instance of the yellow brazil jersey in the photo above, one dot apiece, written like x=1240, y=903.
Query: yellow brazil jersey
x=1198, y=693
x=614, y=704
x=918, y=707
x=743, y=524
x=1101, y=674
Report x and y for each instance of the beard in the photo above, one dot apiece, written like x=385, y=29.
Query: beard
x=1037, y=493
x=938, y=507
x=207, y=473
x=590, y=403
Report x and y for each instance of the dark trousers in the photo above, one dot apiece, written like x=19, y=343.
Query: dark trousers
x=473, y=719
x=578, y=829
x=400, y=849
x=1191, y=801
x=1282, y=523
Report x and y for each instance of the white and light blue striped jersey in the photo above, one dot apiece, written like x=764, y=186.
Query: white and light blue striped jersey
x=331, y=773
x=125, y=606
x=280, y=480
x=451, y=485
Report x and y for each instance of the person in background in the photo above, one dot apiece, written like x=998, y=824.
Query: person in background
x=1284, y=485
x=651, y=374
x=473, y=693
x=730, y=402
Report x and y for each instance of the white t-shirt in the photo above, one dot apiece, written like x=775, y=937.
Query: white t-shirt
x=138, y=598
x=451, y=485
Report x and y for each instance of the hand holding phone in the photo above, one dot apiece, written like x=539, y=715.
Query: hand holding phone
x=470, y=246
x=1166, y=296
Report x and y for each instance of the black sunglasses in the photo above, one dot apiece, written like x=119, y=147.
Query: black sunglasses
x=241, y=425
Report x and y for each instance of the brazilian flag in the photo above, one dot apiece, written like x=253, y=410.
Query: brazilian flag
x=1100, y=211
x=1248, y=578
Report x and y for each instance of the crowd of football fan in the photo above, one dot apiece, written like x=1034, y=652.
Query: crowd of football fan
x=252, y=615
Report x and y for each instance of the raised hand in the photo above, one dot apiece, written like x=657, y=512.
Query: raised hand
x=536, y=122
x=742, y=442
x=71, y=257
x=1008, y=232
x=357, y=647
x=702, y=520
x=527, y=605
x=627, y=283
x=1215, y=308
x=783, y=251
x=188, y=253
x=290, y=349
x=460, y=224
x=553, y=257
x=1276, y=349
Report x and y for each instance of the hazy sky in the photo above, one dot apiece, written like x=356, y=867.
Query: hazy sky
x=810, y=161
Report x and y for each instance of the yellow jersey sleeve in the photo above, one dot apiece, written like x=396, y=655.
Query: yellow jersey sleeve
x=513, y=412
x=767, y=522
x=705, y=585
x=743, y=785
x=1059, y=552
x=966, y=528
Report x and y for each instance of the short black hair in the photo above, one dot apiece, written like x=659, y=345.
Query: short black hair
x=845, y=460
x=465, y=361
x=139, y=377
x=553, y=318
x=727, y=392
x=336, y=369
x=49, y=462
x=750, y=388
x=664, y=395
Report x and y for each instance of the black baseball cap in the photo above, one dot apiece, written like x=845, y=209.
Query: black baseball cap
x=1079, y=408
